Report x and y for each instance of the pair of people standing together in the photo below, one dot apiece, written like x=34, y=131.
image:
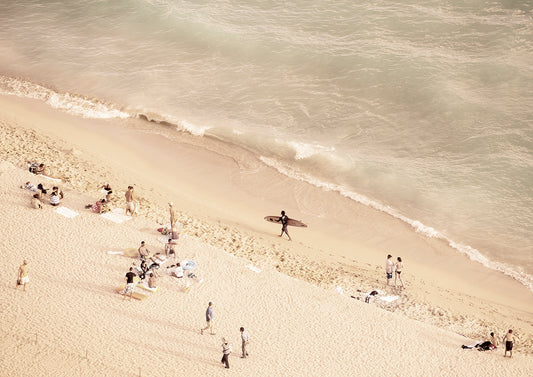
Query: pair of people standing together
x=394, y=268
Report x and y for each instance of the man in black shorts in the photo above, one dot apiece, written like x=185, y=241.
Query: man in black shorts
x=284, y=220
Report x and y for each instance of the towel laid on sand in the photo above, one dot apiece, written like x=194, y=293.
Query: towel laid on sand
x=117, y=215
x=66, y=212
x=253, y=268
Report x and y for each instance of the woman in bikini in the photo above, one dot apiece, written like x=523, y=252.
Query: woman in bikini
x=398, y=274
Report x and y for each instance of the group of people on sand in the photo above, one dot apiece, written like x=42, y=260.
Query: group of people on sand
x=226, y=347
x=41, y=194
x=103, y=205
x=394, y=268
x=508, y=340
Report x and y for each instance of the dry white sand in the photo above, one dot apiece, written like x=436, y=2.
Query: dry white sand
x=298, y=326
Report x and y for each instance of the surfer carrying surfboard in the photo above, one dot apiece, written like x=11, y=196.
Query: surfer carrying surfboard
x=284, y=221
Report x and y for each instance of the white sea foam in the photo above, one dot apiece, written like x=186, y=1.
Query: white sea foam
x=191, y=128
x=306, y=150
x=71, y=103
x=474, y=254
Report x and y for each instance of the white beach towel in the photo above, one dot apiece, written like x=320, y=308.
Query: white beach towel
x=117, y=215
x=389, y=299
x=50, y=178
x=339, y=290
x=164, y=238
x=66, y=212
x=253, y=268
x=116, y=252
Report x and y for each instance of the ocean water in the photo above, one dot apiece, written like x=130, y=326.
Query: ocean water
x=420, y=109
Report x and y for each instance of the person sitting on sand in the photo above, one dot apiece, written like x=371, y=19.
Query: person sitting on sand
x=108, y=191
x=36, y=201
x=40, y=169
x=145, y=268
x=178, y=271
x=170, y=248
x=54, y=199
x=99, y=207
x=152, y=281
x=58, y=192
x=143, y=251
x=493, y=340
x=41, y=188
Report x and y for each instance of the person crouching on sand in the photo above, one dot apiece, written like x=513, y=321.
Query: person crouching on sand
x=23, y=278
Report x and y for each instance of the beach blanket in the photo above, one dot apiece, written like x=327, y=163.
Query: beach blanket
x=389, y=299
x=50, y=178
x=117, y=216
x=147, y=288
x=253, y=268
x=116, y=252
x=66, y=212
x=136, y=295
x=164, y=238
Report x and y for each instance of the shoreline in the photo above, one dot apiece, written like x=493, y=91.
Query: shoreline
x=222, y=201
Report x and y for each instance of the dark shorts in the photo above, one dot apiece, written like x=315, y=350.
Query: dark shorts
x=398, y=272
x=508, y=346
x=389, y=275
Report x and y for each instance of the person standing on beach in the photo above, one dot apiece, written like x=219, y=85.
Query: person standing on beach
x=172, y=214
x=509, y=339
x=245, y=340
x=209, y=319
x=284, y=222
x=130, y=285
x=23, y=278
x=389, y=268
x=399, y=267
x=130, y=201
x=493, y=340
x=226, y=350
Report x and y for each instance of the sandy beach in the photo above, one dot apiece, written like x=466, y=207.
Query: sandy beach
x=72, y=322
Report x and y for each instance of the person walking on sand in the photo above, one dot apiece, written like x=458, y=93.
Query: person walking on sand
x=509, y=340
x=130, y=201
x=245, y=340
x=284, y=222
x=226, y=350
x=399, y=267
x=130, y=285
x=389, y=268
x=23, y=278
x=209, y=320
